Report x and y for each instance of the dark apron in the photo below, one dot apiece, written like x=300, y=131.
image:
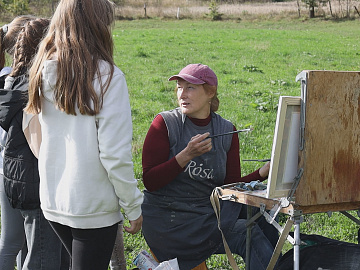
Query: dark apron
x=179, y=220
x=185, y=228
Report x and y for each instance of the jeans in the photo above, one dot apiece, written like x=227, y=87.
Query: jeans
x=44, y=246
x=90, y=249
x=12, y=233
x=261, y=248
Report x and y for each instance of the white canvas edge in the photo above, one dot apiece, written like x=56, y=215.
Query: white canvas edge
x=284, y=102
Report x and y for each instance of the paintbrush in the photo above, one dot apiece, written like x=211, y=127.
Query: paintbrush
x=260, y=160
x=231, y=132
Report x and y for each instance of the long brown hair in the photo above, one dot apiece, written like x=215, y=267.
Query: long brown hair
x=79, y=37
x=26, y=45
x=8, y=36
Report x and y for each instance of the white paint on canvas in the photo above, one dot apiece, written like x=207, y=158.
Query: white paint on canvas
x=292, y=149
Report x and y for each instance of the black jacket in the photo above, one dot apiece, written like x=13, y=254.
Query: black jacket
x=21, y=175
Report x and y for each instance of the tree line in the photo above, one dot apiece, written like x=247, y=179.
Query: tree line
x=46, y=7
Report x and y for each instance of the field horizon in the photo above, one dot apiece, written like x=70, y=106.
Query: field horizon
x=206, y=10
x=246, y=11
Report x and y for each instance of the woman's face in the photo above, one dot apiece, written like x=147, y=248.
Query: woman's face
x=194, y=101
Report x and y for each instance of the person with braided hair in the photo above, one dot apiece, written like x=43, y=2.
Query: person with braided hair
x=20, y=166
x=12, y=236
x=12, y=224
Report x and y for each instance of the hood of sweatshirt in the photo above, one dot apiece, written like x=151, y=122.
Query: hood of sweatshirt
x=49, y=75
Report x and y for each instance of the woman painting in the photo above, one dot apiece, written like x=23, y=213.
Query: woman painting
x=182, y=166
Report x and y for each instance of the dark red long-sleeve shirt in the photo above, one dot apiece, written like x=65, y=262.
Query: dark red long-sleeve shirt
x=159, y=170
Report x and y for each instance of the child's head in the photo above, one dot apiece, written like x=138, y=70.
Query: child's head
x=27, y=43
x=79, y=37
x=79, y=25
x=8, y=36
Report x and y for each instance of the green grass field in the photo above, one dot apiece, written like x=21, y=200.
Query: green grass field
x=255, y=62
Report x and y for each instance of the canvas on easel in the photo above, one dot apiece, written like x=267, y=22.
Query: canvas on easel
x=284, y=155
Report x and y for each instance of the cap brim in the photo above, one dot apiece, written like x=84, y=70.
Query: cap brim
x=186, y=77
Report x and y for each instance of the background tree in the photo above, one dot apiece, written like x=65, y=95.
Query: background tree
x=18, y=7
x=312, y=4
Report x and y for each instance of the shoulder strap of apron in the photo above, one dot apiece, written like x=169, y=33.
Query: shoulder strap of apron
x=214, y=198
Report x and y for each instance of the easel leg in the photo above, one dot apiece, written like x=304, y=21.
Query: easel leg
x=297, y=221
x=277, y=251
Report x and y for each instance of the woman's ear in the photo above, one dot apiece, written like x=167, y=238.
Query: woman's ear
x=211, y=93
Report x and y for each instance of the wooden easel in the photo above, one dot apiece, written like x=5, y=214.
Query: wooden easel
x=329, y=157
x=293, y=210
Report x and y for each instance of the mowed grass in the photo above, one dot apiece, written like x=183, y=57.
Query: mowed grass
x=255, y=64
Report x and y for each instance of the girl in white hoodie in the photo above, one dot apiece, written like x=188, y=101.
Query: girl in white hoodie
x=85, y=159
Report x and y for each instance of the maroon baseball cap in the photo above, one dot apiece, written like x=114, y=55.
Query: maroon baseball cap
x=197, y=74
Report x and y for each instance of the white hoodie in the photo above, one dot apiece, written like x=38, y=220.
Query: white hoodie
x=85, y=162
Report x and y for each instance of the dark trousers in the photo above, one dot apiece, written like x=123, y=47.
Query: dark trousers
x=90, y=249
